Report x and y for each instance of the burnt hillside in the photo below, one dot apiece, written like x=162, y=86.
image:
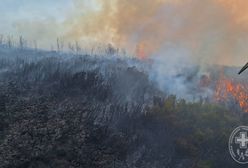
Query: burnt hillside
x=65, y=110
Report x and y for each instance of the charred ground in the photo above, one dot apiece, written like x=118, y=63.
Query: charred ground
x=66, y=110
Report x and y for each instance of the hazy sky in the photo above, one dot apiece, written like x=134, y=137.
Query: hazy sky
x=42, y=20
x=30, y=17
x=17, y=10
x=213, y=31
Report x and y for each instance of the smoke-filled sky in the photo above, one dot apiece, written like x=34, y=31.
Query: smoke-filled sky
x=210, y=31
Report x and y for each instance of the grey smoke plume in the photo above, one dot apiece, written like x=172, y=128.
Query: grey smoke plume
x=176, y=73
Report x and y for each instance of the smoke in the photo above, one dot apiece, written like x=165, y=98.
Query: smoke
x=45, y=31
x=215, y=31
x=176, y=73
x=182, y=37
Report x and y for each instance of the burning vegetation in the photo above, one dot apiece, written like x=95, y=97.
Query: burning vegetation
x=228, y=89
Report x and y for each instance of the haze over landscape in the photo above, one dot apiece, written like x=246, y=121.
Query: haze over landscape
x=210, y=31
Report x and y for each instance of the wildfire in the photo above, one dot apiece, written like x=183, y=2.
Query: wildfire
x=227, y=89
x=140, y=51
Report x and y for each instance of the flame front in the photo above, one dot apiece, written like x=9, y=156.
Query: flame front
x=140, y=51
x=227, y=89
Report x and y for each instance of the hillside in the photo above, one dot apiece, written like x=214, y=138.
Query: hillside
x=69, y=110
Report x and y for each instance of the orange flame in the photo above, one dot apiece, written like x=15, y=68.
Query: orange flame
x=226, y=89
x=140, y=51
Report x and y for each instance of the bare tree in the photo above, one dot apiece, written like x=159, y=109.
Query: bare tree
x=1, y=39
x=61, y=45
x=78, y=48
x=9, y=42
x=71, y=47
x=111, y=50
x=58, y=45
x=21, y=42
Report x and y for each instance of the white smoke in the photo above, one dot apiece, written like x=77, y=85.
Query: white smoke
x=175, y=72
